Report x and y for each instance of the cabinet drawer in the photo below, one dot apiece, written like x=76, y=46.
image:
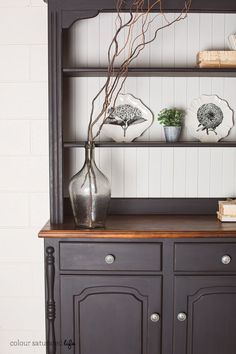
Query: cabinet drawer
x=110, y=256
x=205, y=257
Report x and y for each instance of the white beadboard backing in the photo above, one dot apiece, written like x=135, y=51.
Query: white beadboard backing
x=165, y=172
x=153, y=172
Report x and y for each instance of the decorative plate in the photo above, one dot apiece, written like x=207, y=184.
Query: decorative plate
x=209, y=118
x=128, y=120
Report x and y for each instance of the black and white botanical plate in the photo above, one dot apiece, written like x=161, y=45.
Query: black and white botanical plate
x=128, y=120
x=209, y=118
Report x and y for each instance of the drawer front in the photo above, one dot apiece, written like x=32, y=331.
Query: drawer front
x=110, y=256
x=205, y=257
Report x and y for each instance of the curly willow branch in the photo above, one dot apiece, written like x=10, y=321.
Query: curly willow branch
x=135, y=44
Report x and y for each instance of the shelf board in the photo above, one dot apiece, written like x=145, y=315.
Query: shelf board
x=143, y=144
x=155, y=71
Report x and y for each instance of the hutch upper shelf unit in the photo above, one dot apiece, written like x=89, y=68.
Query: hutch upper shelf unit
x=61, y=15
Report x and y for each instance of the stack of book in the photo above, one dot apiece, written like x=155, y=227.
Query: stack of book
x=217, y=59
x=227, y=210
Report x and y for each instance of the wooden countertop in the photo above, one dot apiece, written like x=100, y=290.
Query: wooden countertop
x=146, y=226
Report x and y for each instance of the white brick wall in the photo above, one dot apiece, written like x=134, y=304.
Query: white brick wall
x=24, y=173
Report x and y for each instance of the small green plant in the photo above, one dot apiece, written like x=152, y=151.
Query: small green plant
x=171, y=117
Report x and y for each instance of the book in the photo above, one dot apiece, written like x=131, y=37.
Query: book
x=217, y=59
x=227, y=207
x=226, y=218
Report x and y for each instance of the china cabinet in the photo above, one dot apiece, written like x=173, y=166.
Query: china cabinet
x=151, y=282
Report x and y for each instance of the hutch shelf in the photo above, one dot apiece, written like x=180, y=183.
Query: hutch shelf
x=190, y=72
x=151, y=282
x=143, y=144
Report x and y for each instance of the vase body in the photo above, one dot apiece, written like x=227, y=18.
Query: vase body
x=90, y=193
x=172, y=134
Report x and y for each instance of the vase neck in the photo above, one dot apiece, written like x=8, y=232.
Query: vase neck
x=89, y=152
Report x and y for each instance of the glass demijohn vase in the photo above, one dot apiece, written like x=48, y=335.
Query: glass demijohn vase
x=90, y=193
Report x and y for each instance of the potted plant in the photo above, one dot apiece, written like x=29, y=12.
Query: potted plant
x=172, y=120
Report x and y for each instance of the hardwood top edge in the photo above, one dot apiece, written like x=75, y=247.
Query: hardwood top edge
x=146, y=227
x=136, y=235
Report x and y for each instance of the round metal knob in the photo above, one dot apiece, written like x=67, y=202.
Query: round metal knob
x=109, y=259
x=155, y=317
x=181, y=316
x=226, y=259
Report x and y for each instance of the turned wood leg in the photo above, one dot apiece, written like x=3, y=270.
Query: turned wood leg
x=50, y=305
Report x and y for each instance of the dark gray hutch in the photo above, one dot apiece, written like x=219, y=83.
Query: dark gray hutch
x=161, y=277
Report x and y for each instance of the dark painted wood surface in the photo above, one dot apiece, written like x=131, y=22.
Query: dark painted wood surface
x=204, y=257
x=106, y=314
x=91, y=256
x=210, y=305
x=158, y=206
x=167, y=5
x=143, y=144
x=50, y=304
x=55, y=50
x=146, y=226
x=108, y=309
x=153, y=71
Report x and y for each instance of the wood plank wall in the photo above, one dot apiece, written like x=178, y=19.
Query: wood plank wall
x=154, y=172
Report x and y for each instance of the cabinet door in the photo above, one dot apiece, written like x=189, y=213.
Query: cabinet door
x=209, y=303
x=110, y=314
